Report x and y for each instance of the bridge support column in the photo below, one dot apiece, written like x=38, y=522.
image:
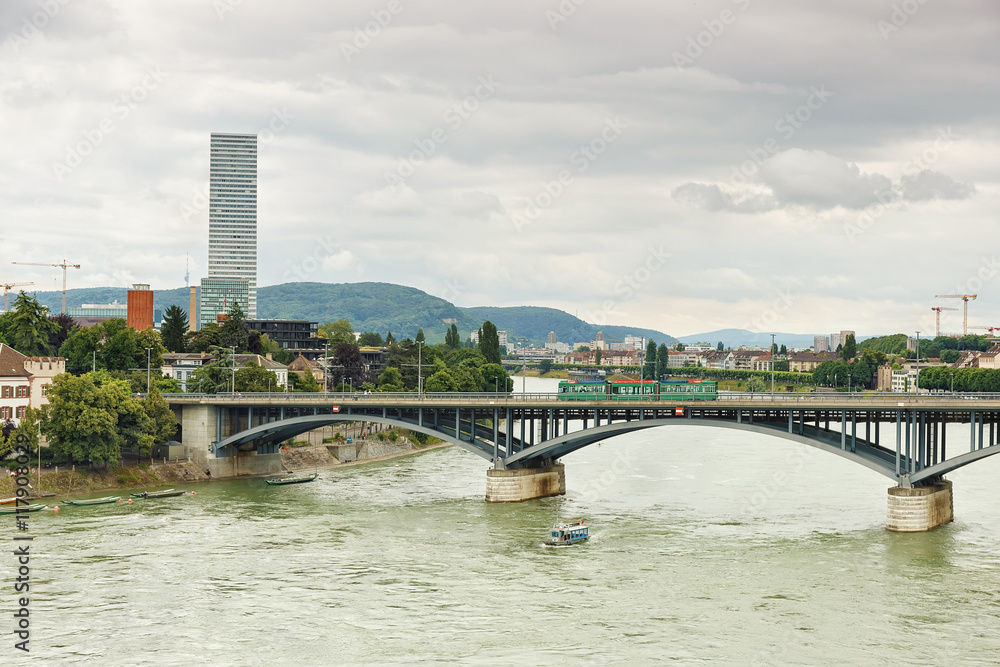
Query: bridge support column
x=919, y=509
x=515, y=485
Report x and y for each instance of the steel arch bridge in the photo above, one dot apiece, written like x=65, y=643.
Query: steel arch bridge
x=905, y=439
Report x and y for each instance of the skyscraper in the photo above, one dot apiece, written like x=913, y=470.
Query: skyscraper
x=232, y=220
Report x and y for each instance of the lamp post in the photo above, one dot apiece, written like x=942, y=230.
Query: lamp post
x=233, y=348
x=420, y=374
x=917, y=382
x=953, y=383
x=149, y=352
x=326, y=362
x=773, y=355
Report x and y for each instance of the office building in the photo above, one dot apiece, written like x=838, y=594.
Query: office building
x=299, y=336
x=139, y=308
x=218, y=295
x=232, y=215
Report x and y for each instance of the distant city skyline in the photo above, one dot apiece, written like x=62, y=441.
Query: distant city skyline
x=796, y=166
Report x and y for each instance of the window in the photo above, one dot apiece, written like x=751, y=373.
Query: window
x=5, y=412
x=45, y=389
x=6, y=392
x=20, y=411
x=22, y=392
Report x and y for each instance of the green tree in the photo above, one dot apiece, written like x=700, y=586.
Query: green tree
x=81, y=419
x=29, y=329
x=495, y=378
x=680, y=347
x=338, y=332
x=949, y=357
x=391, y=381
x=783, y=351
x=80, y=350
x=452, y=339
x=255, y=378
x=303, y=383
x=756, y=384
x=206, y=338
x=720, y=347
x=26, y=430
x=233, y=332
x=774, y=349
x=162, y=421
x=544, y=366
x=121, y=347
x=370, y=339
x=489, y=342
x=420, y=336
x=662, y=362
x=597, y=356
x=175, y=325
x=389, y=340
x=440, y=381
x=649, y=368
x=850, y=348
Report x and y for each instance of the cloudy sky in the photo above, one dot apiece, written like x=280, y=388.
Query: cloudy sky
x=790, y=166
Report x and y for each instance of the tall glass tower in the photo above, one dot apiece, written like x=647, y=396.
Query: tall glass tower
x=232, y=218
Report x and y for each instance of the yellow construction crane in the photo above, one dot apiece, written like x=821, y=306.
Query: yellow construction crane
x=6, y=289
x=65, y=265
x=937, y=320
x=966, y=298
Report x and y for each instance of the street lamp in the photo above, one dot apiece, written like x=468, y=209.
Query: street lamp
x=773, y=355
x=917, y=383
x=149, y=351
x=326, y=362
x=420, y=374
x=233, y=348
x=952, y=383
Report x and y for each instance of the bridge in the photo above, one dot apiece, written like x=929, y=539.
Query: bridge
x=902, y=436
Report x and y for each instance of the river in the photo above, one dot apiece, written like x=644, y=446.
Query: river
x=703, y=551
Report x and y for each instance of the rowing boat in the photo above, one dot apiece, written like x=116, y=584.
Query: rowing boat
x=8, y=501
x=292, y=480
x=94, y=501
x=14, y=509
x=168, y=493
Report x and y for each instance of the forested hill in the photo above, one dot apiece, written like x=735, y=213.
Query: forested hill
x=380, y=307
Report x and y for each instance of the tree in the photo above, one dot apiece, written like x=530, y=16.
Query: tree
x=175, y=325
x=850, y=348
x=26, y=432
x=756, y=384
x=489, y=342
x=420, y=336
x=348, y=357
x=28, y=329
x=680, y=347
x=452, y=339
x=495, y=378
x=82, y=416
x=544, y=366
x=206, y=338
x=597, y=356
x=662, y=362
x=390, y=380
x=649, y=368
x=720, y=347
x=121, y=347
x=774, y=349
x=254, y=378
x=66, y=326
x=233, y=332
x=303, y=383
x=783, y=351
x=370, y=339
x=163, y=423
x=440, y=381
x=950, y=356
x=338, y=332
x=80, y=350
x=389, y=340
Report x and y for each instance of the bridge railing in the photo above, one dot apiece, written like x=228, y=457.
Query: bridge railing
x=348, y=398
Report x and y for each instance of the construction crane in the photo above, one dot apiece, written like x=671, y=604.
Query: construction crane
x=966, y=298
x=6, y=289
x=65, y=265
x=937, y=321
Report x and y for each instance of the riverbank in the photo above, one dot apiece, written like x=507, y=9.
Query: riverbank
x=84, y=481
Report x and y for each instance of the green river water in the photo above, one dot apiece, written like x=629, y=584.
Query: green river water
x=703, y=551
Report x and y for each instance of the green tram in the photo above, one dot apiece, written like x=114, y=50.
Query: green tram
x=632, y=390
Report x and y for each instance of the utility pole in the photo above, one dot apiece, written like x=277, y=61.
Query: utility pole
x=420, y=374
x=773, y=356
x=65, y=265
x=917, y=382
x=233, y=348
x=149, y=351
x=326, y=362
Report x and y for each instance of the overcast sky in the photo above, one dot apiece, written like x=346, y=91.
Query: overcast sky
x=789, y=166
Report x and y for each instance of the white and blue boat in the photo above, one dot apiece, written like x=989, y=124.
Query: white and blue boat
x=567, y=533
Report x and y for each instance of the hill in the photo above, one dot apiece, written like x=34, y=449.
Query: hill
x=380, y=307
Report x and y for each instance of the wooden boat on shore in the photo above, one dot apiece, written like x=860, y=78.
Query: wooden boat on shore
x=167, y=493
x=8, y=501
x=567, y=533
x=95, y=501
x=14, y=509
x=292, y=480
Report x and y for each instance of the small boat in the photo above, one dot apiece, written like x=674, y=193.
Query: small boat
x=8, y=501
x=14, y=509
x=94, y=501
x=168, y=493
x=567, y=533
x=292, y=480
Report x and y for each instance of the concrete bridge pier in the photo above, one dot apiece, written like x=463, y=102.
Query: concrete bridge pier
x=517, y=484
x=919, y=509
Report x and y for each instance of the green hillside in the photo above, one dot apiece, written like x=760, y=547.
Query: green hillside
x=380, y=307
